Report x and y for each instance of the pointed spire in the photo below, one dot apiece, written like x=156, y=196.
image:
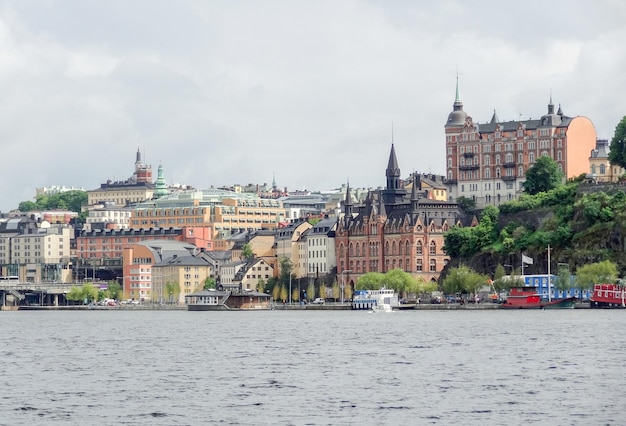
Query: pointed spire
x=494, y=117
x=381, y=205
x=550, y=105
x=392, y=166
x=138, y=156
x=457, y=97
x=560, y=111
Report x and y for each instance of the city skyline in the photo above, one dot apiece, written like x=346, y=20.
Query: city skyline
x=233, y=93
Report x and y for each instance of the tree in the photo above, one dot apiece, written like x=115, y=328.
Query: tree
x=336, y=291
x=370, y=281
x=171, y=288
x=209, y=283
x=276, y=291
x=284, y=293
x=617, y=153
x=286, y=269
x=543, y=176
x=463, y=280
x=466, y=204
x=114, y=290
x=310, y=291
x=246, y=251
x=260, y=286
x=563, y=280
x=595, y=273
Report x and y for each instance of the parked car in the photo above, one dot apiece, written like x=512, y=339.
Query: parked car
x=319, y=301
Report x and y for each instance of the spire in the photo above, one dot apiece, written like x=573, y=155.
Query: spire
x=457, y=116
x=550, y=105
x=381, y=205
x=274, y=187
x=138, y=156
x=494, y=118
x=457, y=98
x=160, y=187
x=560, y=111
x=392, y=166
x=347, y=204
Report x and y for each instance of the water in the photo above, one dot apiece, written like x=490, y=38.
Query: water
x=557, y=367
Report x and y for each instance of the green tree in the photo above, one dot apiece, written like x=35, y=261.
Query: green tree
x=310, y=291
x=596, y=273
x=466, y=204
x=114, y=290
x=336, y=291
x=260, y=287
x=400, y=281
x=276, y=292
x=463, y=280
x=543, y=176
x=286, y=270
x=246, y=251
x=370, y=281
x=563, y=279
x=617, y=153
x=209, y=283
x=75, y=294
x=172, y=289
x=27, y=206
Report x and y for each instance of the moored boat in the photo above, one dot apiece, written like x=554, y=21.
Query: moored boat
x=525, y=297
x=369, y=299
x=608, y=296
x=215, y=300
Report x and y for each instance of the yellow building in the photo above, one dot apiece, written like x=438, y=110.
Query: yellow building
x=176, y=277
x=224, y=211
x=599, y=167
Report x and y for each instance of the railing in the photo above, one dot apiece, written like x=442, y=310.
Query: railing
x=469, y=167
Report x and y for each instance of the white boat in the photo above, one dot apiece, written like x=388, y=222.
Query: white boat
x=370, y=299
x=381, y=308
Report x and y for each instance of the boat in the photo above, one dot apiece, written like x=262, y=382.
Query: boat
x=527, y=297
x=381, y=308
x=370, y=299
x=608, y=296
x=221, y=300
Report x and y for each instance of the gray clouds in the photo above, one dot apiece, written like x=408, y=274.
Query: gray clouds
x=230, y=92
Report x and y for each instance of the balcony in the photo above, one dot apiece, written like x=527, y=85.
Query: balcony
x=469, y=167
x=468, y=155
x=508, y=178
x=450, y=181
x=509, y=165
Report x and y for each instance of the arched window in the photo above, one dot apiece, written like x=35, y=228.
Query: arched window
x=486, y=160
x=351, y=249
x=520, y=158
x=358, y=266
x=386, y=247
x=509, y=158
x=393, y=248
x=433, y=248
x=520, y=171
x=593, y=169
x=462, y=161
x=487, y=173
x=342, y=250
x=497, y=158
x=449, y=162
x=602, y=169
x=418, y=248
x=407, y=248
x=498, y=172
x=531, y=157
x=358, y=249
x=559, y=156
x=449, y=174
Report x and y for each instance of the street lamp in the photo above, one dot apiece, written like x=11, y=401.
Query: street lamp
x=343, y=283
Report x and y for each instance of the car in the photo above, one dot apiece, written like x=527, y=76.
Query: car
x=319, y=301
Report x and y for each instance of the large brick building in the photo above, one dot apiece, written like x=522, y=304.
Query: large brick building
x=394, y=229
x=487, y=162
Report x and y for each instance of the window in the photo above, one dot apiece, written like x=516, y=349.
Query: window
x=433, y=248
x=418, y=248
x=433, y=265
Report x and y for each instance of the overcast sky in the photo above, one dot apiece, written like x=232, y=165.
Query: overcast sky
x=223, y=92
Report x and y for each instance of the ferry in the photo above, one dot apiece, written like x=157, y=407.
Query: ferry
x=608, y=296
x=381, y=300
x=216, y=300
x=526, y=297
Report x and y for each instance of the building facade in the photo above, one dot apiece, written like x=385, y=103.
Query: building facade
x=393, y=229
x=600, y=169
x=488, y=162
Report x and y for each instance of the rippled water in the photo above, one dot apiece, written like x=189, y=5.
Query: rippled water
x=294, y=367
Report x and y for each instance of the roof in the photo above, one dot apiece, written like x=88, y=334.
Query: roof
x=176, y=260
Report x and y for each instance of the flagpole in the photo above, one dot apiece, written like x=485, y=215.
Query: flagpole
x=522, y=265
x=549, y=276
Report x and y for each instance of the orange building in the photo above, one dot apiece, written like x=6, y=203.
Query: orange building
x=487, y=162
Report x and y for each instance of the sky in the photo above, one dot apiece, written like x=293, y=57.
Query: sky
x=233, y=92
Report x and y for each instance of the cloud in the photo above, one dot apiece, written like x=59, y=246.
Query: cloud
x=232, y=92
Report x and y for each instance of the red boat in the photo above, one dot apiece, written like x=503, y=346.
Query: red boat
x=525, y=297
x=608, y=296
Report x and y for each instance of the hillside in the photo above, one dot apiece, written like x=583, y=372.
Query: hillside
x=581, y=222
